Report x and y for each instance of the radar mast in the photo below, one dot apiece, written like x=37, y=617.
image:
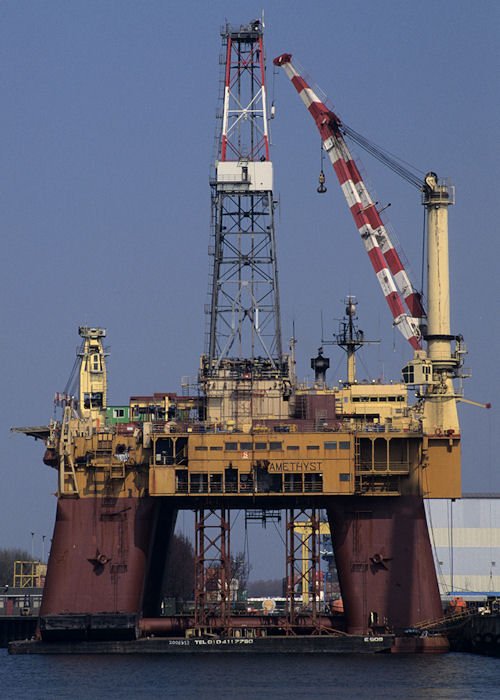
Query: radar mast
x=350, y=338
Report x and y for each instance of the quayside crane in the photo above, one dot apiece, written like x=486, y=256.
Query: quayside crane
x=251, y=437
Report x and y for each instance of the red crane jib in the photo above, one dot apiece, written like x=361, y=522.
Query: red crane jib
x=383, y=256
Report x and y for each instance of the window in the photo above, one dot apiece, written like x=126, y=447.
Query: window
x=201, y=448
x=330, y=445
x=96, y=399
x=198, y=483
x=231, y=480
x=181, y=480
x=164, y=451
x=228, y=446
x=213, y=448
x=268, y=483
x=292, y=447
x=275, y=445
x=261, y=445
x=344, y=445
x=344, y=477
x=293, y=482
x=313, y=447
x=118, y=412
x=313, y=483
x=215, y=483
x=246, y=483
x=246, y=446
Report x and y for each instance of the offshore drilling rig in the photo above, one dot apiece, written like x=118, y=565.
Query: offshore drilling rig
x=253, y=438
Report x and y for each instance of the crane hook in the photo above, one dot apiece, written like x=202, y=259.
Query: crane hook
x=321, y=179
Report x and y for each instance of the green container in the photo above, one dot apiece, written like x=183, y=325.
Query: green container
x=117, y=414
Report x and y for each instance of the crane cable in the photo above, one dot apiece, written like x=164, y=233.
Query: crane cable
x=424, y=231
x=401, y=167
x=407, y=171
x=71, y=383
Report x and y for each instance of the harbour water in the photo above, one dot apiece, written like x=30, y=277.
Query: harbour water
x=250, y=676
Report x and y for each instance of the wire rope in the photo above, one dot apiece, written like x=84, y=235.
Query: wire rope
x=395, y=163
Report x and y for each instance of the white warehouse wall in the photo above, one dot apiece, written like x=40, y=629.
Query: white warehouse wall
x=465, y=534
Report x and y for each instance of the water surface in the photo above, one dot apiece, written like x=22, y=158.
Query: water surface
x=249, y=676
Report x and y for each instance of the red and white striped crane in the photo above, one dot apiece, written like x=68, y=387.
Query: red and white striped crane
x=385, y=260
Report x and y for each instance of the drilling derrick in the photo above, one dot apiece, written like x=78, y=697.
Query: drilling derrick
x=244, y=374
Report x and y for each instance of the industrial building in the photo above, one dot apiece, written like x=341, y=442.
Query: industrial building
x=466, y=541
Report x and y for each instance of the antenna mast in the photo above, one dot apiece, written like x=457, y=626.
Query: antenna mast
x=350, y=338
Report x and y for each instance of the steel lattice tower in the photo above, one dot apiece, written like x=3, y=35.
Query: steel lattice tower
x=244, y=311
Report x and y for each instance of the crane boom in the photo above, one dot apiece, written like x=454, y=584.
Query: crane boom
x=384, y=258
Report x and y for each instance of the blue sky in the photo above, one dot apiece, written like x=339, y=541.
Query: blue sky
x=106, y=130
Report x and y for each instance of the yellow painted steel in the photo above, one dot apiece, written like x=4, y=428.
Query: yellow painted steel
x=440, y=408
x=265, y=464
x=305, y=530
x=376, y=443
x=93, y=382
x=29, y=574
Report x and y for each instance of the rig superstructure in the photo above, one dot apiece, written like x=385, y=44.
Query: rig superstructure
x=252, y=437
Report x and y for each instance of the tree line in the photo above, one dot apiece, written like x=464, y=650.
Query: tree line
x=178, y=581
x=7, y=559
